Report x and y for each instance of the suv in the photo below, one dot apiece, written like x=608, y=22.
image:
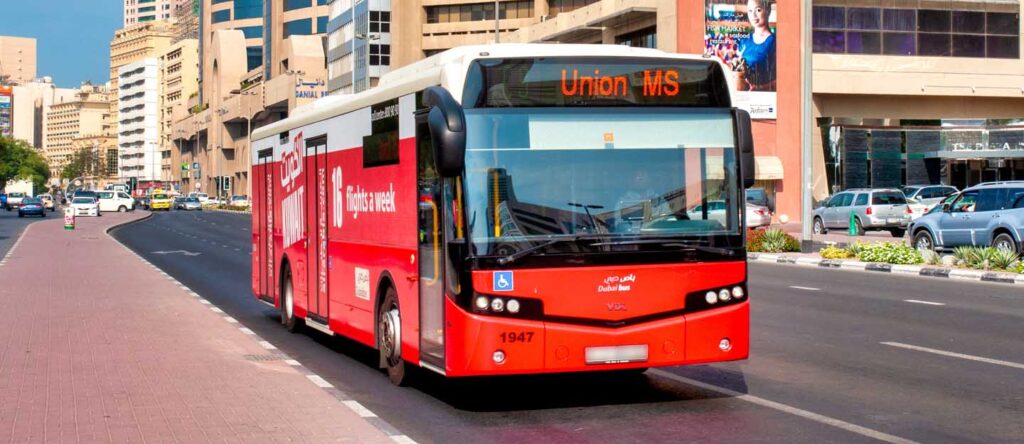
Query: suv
x=881, y=209
x=929, y=195
x=989, y=214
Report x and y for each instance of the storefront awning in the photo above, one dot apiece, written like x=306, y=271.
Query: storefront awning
x=767, y=168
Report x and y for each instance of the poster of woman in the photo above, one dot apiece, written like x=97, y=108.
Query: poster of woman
x=741, y=33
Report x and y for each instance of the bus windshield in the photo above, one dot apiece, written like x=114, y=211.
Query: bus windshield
x=535, y=174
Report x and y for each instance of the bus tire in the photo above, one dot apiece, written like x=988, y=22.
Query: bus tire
x=288, y=319
x=389, y=338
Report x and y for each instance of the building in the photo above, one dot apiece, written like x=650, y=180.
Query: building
x=70, y=120
x=30, y=102
x=919, y=93
x=242, y=15
x=130, y=45
x=17, y=59
x=143, y=11
x=179, y=82
x=186, y=18
x=138, y=128
x=359, y=41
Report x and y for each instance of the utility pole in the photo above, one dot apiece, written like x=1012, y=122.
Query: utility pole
x=497, y=16
x=806, y=125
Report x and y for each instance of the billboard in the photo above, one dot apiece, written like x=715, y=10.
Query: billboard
x=6, y=111
x=741, y=33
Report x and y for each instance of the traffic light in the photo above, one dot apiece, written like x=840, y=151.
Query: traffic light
x=133, y=182
x=184, y=166
x=226, y=184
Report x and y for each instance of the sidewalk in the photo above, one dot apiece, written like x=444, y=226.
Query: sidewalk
x=97, y=346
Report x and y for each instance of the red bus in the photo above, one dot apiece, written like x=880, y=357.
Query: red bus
x=514, y=209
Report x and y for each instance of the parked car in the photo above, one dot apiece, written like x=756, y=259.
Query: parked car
x=31, y=206
x=14, y=200
x=239, y=201
x=3, y=201
x=203, y=197
x=990, y=214
x=85, y=206
x=929, y=194
x=758, y=196
x=871, y=209
x=178, y=203
x=115, y=201
x=758, y=216
x=917, y=209
x=47, y=201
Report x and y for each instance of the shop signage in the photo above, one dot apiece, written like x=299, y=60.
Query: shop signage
x=991, y=146
x=310, y=90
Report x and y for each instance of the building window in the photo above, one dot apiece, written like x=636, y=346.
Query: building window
x=290, y=5
x=321, y=24
x=476, y=11
x=380, y=21
x=247, y=9
x=380, y=55
x=254, y=57
x=147, y=9
x=560, y=6
x=298, y=27
x=643, y=38
x=221, y=16
x=252, y=32
x=220, y=1
x=925, y=32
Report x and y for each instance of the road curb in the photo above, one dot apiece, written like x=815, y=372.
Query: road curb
x=230, y=211
x=341, y=396
x=906, y=270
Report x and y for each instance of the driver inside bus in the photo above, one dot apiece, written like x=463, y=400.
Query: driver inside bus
x=640, y=204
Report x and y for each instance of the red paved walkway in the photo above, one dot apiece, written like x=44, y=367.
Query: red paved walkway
x=96, y=346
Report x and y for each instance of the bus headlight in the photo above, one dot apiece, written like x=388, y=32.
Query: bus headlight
x=512, y=305
x=738, y=293
x=711, y=298
x=724, y=295
x=482, y=302
x=497, y=305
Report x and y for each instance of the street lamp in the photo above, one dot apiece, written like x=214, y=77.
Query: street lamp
x=248, y=125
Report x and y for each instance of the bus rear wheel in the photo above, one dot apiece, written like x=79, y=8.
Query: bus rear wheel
x=389, y=338
x=288, y=319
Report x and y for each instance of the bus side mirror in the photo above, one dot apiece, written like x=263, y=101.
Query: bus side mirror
x=745, y=144
x=447, y=124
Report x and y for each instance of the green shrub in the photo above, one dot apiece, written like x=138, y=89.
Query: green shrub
x=1002, y=259
x=965, y=256
x=754, y=238
x=775, y=240
x=855, y=248
x=890, y=253
x=833, y=252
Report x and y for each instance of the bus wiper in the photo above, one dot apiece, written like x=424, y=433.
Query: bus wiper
x=670, y=242
x=525, y=252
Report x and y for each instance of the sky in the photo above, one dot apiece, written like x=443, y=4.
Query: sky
x=72, y=36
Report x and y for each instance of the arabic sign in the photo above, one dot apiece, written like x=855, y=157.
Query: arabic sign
x=310, y=90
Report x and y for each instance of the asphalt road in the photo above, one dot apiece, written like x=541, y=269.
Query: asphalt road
x=11, y=227
x=836, y=356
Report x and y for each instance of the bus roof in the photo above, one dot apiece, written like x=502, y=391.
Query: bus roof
x=449, y=70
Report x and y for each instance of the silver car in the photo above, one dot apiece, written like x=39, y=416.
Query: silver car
x=929, y=195
x=870, y=209
x=192, y=203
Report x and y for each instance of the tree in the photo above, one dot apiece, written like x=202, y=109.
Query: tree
x=19, y=161
x=83, y=163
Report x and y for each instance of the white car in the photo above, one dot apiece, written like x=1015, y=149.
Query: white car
x=239, y=201
x=115, y=201
x=85, y=206
x=758, y=216
x=917, y=208
x=203, y=197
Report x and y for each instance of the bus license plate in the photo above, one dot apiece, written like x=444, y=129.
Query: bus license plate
x=618, y=354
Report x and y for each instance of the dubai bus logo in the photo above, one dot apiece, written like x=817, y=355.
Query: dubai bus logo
x=291, y=163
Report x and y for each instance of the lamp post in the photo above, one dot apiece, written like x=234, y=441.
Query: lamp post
x=806, y=125
x=497, y=16
x=248, y=124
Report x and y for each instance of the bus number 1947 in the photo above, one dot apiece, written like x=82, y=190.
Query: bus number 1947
x=513, y=336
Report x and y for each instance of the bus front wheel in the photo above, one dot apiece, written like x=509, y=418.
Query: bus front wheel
x=389, y=338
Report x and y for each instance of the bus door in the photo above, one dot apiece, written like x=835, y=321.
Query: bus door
x=316, y=218
x=263, y=203
x=437, y=224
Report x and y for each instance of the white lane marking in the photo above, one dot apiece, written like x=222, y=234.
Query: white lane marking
x=215, y=309
x=402, y=439
x=956, y=355
x=915, y=301
x=230, y=320
x=320, y=382
x=363, y=412
x=840, y=424
x=292, y=362
x=797, y=287
x=247, y=331
x=267, y=345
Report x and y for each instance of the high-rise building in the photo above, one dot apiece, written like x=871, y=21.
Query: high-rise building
x=144, y=11
x=70, y=120
x=179, y=82
x=138, y=126
x=29, y=105
x=186, y=18
x=359, y=41
x=242, y=15
x=131, y=45
x=17, y=59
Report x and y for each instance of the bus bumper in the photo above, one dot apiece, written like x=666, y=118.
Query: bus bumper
x=527, y=347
